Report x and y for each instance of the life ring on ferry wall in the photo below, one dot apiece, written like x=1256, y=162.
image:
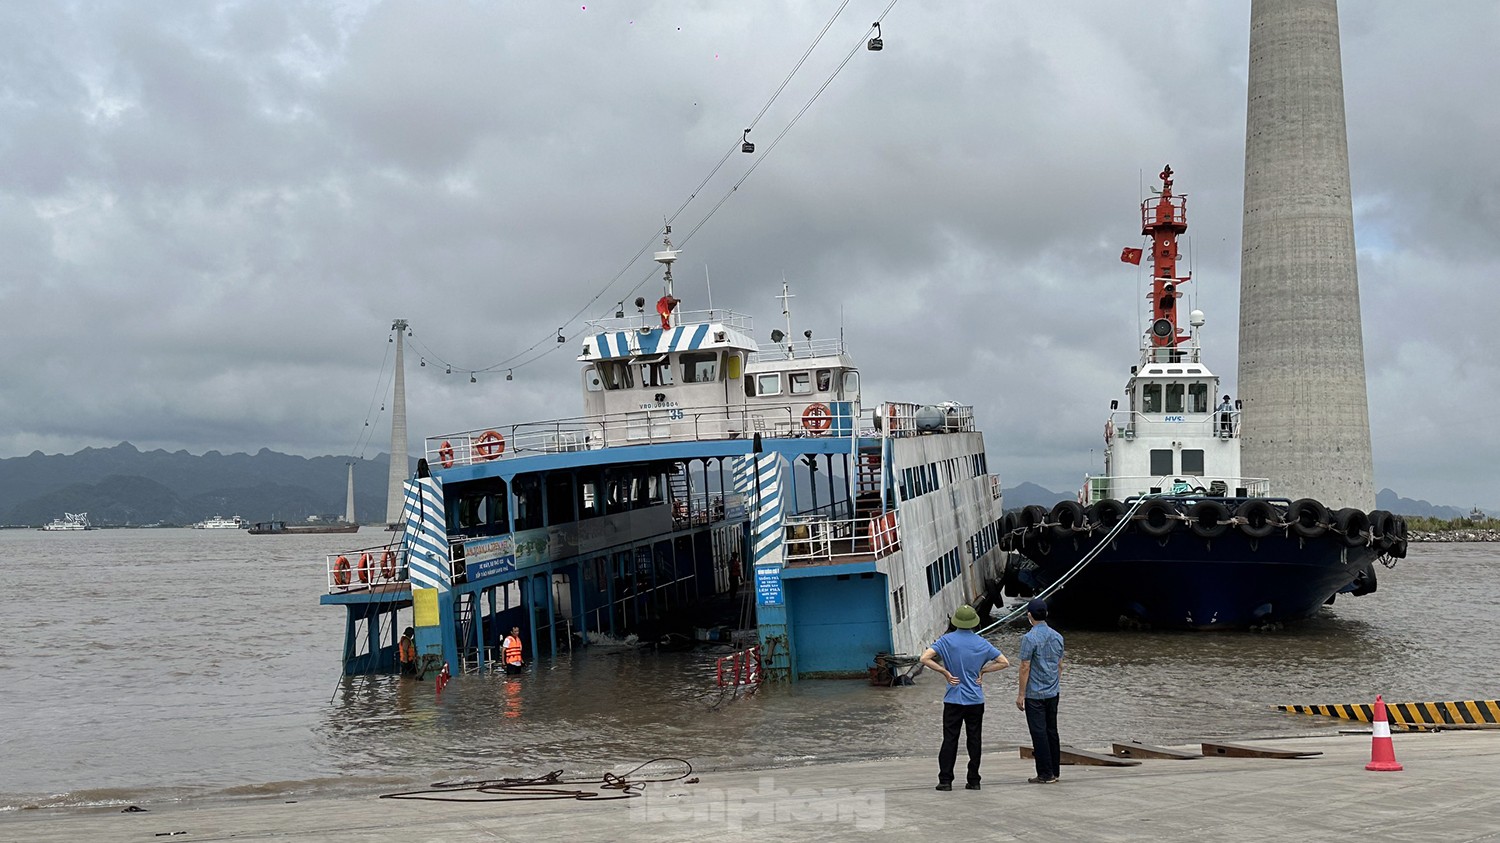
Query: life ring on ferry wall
x=364, y=567
x=388, y=565
x=1109, y=431
x=489, y=445
x=341, y=571
x=817, y=418
x=445, y=454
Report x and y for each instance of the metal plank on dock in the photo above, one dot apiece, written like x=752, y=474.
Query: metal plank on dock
x=1136, y=749
x=1084, y=757
x=1240, y=750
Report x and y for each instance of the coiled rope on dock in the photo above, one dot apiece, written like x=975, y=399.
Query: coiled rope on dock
x=550, y=786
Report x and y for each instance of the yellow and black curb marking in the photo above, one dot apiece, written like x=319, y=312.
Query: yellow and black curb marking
x=1460, y=713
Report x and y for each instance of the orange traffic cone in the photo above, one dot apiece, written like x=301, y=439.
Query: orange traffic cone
x=1382, y=752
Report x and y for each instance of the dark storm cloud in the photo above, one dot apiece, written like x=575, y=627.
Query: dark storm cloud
x=210, y=213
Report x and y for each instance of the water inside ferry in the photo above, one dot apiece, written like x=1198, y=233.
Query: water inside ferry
x=160, y=664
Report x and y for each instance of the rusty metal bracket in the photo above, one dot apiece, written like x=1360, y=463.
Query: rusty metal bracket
x=1136, y=749
x=1239, y=750
x=1084, y=758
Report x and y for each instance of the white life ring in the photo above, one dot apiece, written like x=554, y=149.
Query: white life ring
x=1109, y=431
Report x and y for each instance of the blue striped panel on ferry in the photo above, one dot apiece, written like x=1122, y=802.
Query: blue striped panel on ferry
x=767, y=521
x=426, y=534
x=655, y=341
x=744, y=478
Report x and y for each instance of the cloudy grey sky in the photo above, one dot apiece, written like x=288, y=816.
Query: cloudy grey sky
x=211, y=212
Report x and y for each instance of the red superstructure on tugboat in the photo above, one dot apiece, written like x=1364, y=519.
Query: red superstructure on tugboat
x=1172, y=535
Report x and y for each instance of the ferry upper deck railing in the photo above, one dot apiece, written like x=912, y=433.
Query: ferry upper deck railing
x=649, y=319
x=1122, y=486
x=820, y=540
x=382, y=567
x=1130, y=424
x=675, y=424
x=1189, y=352
x=807, y=349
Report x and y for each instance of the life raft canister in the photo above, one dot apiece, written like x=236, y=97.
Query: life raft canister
x=817, y=418
x=489, y=445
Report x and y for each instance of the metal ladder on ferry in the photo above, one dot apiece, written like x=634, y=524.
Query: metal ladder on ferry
x=867, y=501
x=682, y=495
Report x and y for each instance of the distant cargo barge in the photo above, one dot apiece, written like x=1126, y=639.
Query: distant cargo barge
x=281, y=528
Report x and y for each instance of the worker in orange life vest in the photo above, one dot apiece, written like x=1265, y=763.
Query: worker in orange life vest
x=408, y=652
x=511, y=649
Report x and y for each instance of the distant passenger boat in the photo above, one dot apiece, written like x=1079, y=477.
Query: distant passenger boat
x=219, y=522
x=70, y=521
x=282, y=528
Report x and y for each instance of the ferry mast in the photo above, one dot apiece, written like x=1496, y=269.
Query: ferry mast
x=1163, y=219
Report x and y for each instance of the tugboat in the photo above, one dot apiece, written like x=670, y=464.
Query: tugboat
x=1172, y=536
x=710, y=483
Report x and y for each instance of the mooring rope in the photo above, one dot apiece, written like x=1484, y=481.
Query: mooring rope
x=545, y=787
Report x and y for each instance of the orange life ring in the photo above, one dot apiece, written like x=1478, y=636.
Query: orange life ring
x=445, y=454
x=341, y=571
x=817, y=418
x=489, y=445
x=1109, y=431
x=364, y=567
x=388, y=565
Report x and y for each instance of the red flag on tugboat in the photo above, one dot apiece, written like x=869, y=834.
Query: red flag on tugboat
x=1131, y=256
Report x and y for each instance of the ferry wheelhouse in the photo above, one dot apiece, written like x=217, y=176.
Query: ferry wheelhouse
x=701, y=460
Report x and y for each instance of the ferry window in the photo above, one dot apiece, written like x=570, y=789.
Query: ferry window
x=497, y=516
x=617, y=375
x=1197, y=397
x=560, y=504
x=851, y=385
x=528, y=493
x=749, y=387
x=700, y=367
x=768, y=384
x=733, y=366
x=825, y=380
x=592, y=380
x=1175, y=392
x=1161, y=461
x=654, y=493
x=656, y=373
x=1151, y=400
x=1192, y=462
x=801, y=383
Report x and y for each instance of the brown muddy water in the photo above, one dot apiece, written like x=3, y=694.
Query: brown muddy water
x=149, y=665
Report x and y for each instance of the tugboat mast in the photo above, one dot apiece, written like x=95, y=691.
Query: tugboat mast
x=1164, y=218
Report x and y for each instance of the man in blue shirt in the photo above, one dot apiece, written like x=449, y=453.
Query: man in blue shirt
x=1041, y=665
x=965, y=658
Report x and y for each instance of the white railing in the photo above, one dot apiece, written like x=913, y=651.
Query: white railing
x=817, y=540
x=698, y=509
x=1123, y=486
x=803, y=350
x=1130, y=424
x=365, y=569
x=899, y=418
x=683, y=318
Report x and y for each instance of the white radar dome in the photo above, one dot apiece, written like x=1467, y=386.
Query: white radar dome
x=1196, y=319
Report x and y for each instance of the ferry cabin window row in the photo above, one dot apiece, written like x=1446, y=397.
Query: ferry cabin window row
x=1174, y=397
x=1162, y=459
x=658, y=371
x=814, y=382
x=942, y=572
x=983, y=541
x=558, y=497
x=898, y=603
x=921, y=479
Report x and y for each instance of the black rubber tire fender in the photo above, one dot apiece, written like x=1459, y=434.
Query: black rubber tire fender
x=1106, y=513
x=1210, y=518
x=1382, y=529
x=1008, y=523
x=1352, y=526
x=1156, y=518
x=1033, y=516
x=1066, y=515
x=1308, y=518
x=1258, y=518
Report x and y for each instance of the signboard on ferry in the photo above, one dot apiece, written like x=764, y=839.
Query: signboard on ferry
x=768, y=585
x=489, y=556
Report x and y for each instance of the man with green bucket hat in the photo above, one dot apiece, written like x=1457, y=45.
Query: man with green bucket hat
x=965, y=658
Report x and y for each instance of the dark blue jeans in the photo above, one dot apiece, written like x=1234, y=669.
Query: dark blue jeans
x=1041, y=721
x=971, y=719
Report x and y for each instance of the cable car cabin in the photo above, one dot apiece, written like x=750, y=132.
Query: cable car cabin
x=803, y=389
x=645, y=383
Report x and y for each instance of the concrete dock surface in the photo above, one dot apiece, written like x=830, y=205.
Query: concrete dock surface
x=1449, y=791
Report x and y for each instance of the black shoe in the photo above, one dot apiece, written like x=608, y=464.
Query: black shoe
x=944, y=786
x=1042, y=780
x=971, y=786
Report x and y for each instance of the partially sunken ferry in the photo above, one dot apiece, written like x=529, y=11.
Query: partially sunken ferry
x=861, y=528
x=1172, y=535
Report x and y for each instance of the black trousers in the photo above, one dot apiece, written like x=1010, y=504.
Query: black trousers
x=971, y=719
x=1041, y=721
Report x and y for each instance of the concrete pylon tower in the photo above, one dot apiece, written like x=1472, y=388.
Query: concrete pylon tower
x=395, y=493
x=1306, y=422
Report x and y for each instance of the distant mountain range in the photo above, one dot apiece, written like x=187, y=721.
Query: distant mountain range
x=123, y=486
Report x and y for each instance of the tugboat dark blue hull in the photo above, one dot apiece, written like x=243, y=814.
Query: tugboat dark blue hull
x=1185, y=581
